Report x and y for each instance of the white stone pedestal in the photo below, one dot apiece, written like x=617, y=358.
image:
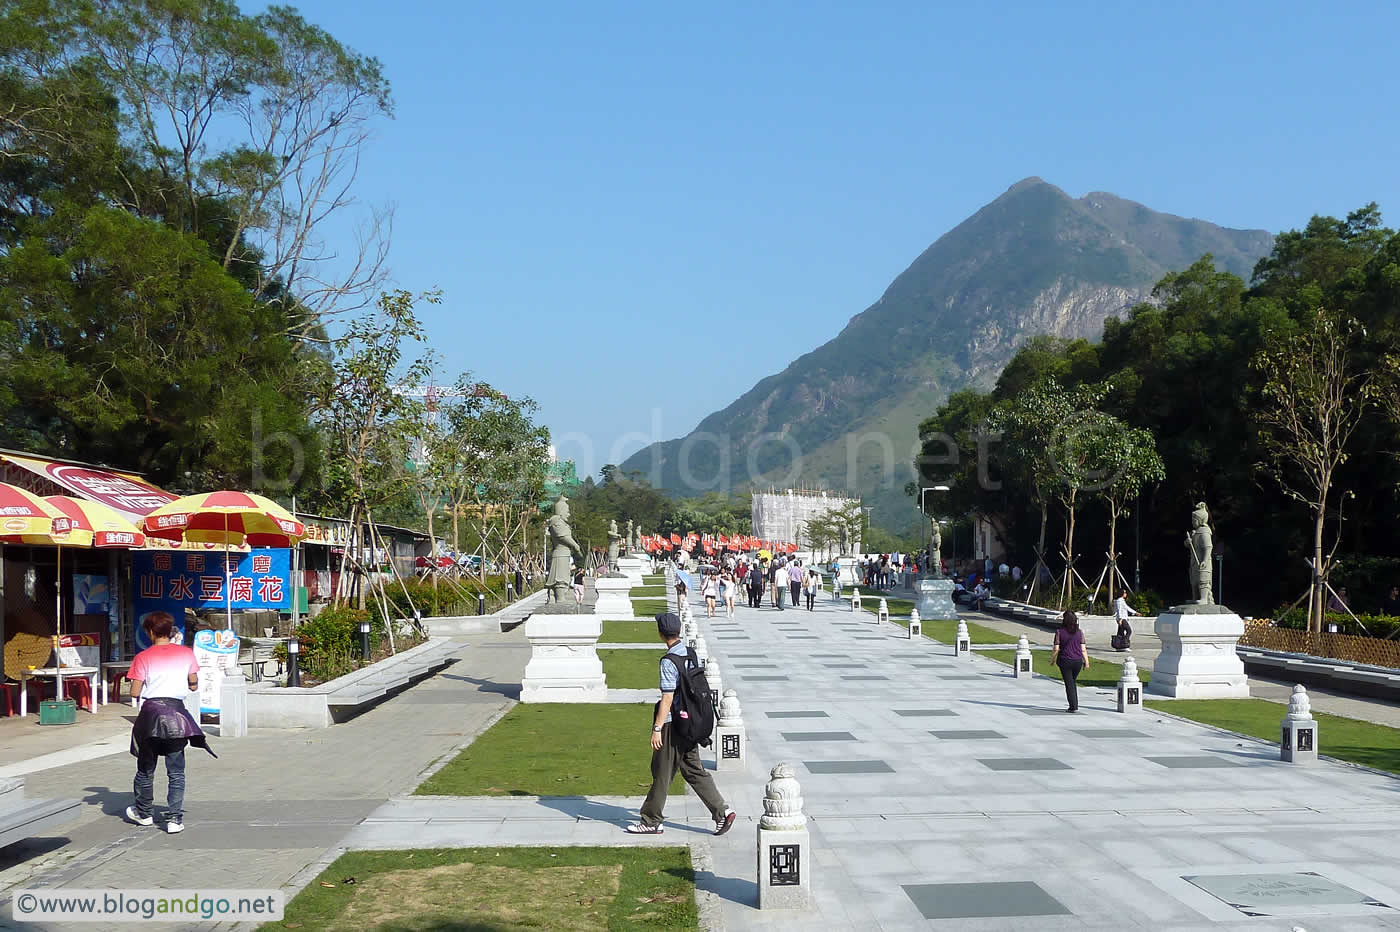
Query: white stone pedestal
x=1024, y=667
x=1299, y=744
x=936, y=599
x=731, y=742
x=1130, y=688
x=784, y=845
x=233, y=707
x=855, y=600
x=916, y=625
x=632, y=568
x=613, y=599
x=1198, y=659
x=564, y=664
x=884, y=612
x=962, y=641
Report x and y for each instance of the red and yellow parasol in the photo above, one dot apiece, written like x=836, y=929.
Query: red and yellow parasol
x=227, y=518
x=24, y=514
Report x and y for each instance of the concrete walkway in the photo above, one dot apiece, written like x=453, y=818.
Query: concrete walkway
x=273, y=804
x=946, y=794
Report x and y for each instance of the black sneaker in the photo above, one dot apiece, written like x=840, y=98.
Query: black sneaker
x=723, y=825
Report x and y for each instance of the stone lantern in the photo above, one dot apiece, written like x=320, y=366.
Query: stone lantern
x=784, y=844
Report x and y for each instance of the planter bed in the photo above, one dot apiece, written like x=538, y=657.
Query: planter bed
x=346, y=696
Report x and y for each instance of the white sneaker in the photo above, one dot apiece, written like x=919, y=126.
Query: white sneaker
x=133, y=816
x=174, y=828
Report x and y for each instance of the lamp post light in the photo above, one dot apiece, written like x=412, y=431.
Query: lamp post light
x=293, y=668
x=481, y=603
x=364, y=641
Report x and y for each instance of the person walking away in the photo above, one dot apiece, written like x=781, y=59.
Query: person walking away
x=795, y=575
x=814, y=585
x=161, y=677
x=755, y=581
x=667, y=756
x=1123, y=639
x=778, y=581
x=1070, y=656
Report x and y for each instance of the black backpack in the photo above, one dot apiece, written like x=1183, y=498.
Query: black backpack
x=692, y=704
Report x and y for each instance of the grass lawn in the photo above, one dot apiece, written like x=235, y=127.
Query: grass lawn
x=657, y=580
x=1102, y=673
x=632, y=669
x=531, y=751
x=500, y=890
x=896, y=606
x=946, y=631
x=1343, y=738
x=648, y=592
x=650, y=606
x=630, y=632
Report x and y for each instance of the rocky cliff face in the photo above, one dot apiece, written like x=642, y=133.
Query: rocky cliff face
x=1034, y=261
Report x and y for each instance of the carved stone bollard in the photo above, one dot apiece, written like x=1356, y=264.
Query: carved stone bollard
x=731, y=743
x=855, y=600
x=962, y=642
x=712, y=676
x=884, y=612
x=916, y=627
x=1024, y=668
x=1299, y=730
x=702, y=650
x=784, y=845
x=1130, y=687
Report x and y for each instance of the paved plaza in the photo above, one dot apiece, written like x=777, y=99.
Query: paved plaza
x=941, y=793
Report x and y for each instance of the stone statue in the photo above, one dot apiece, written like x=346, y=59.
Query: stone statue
x=613, y=539
x=562, y=547
x=935, y=553
x=629, y=545
x=1198, y=542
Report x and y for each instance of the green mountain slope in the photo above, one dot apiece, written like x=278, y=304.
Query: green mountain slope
x=1034, y=261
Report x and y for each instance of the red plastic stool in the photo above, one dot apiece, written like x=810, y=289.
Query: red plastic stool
x=9, y=689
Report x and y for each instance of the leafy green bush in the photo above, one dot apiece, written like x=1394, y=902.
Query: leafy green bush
x=1376, y=626
x=448, y=597
x=330, y=641
x=1148, y=601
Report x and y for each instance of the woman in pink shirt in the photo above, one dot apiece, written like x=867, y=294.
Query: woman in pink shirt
x=161, y=677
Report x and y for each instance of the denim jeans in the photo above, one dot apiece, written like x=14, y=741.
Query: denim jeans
x=144, y=785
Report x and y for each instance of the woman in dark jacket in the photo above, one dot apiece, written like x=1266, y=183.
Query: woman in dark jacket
x=1070, y=656
x=161, y=677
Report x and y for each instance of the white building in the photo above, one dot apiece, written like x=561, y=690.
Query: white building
x=783, y=515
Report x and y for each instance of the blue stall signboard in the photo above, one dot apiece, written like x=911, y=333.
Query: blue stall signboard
x=172, y=581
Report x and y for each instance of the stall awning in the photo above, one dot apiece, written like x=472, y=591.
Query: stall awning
x=129, y=494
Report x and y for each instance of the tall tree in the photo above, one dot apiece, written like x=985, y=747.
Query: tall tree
x=1314, y=396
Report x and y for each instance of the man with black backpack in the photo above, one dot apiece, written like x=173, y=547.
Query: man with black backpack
x=684, y=720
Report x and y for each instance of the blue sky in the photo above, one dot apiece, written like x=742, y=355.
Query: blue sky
x=625, y=204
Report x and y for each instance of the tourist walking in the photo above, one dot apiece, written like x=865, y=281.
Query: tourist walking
x=731, y=591
x=795, y=575
x=161, y=677
x=667, y=755
x=710, y=590
x=814, y=585
x=755, y=580
x=1070, y=656
x=1123, y=638
x=777, y=579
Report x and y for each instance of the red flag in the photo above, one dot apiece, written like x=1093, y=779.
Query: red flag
x=676, y=539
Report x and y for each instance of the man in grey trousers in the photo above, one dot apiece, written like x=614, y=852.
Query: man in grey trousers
x=666, y=757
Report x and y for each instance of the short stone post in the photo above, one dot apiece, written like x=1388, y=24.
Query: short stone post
x=884, y=612
x=702, y=650
x=731, y=744
x=916, y=627
x=1130, y=687
x=1299, y=730
x=712, y=676
x=962, y=643
x=233, y=707
x=784, y=845
x=855, y=600
x=1024, y=668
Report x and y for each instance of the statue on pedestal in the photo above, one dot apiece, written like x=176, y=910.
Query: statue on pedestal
x=1198, y=542
x=935, y=553
x=613, y=540
x=562, y=547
